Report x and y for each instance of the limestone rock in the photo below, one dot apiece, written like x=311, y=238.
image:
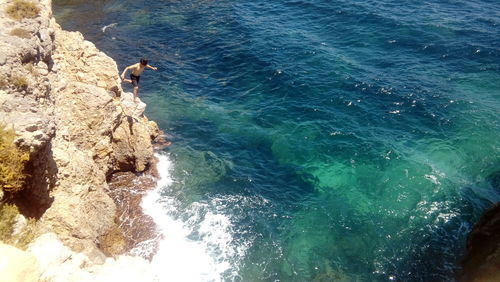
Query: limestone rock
x=57, y=261
x=132, y=144
x=19, y=224
x=64, y=100
x=17, y=265
x=131, y=107
x=24, y=104
x=113, y=242
x=123, y=138
x=34, y=127
x=125, y=268
x=49, y=251
x=60, y=263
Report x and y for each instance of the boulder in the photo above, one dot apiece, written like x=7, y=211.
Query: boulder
x=482, y=259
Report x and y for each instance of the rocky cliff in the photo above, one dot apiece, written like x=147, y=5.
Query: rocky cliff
x=63, y=98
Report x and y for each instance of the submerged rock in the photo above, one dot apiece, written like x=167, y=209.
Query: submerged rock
x=139, y=232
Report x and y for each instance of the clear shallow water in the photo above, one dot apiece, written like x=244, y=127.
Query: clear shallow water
x=315, y=140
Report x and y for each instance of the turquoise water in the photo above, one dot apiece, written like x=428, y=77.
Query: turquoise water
x=330, y=140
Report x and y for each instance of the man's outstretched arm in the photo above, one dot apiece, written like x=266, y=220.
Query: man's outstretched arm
x=151, y=67
x=125, y=71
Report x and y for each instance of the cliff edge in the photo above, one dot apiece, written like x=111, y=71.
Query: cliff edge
x=63, y=99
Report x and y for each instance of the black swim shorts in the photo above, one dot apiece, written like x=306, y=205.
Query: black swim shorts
x=135, y=79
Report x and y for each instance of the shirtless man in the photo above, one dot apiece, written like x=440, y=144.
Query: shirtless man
x=135, y=75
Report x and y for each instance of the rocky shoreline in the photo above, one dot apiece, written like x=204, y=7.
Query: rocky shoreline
x=88, y=141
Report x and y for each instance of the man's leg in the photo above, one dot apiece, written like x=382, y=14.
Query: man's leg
x=136, y=89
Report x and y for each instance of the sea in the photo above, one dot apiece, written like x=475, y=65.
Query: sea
x=312, y=140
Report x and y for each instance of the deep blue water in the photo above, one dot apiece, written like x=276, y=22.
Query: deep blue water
x=337, y=140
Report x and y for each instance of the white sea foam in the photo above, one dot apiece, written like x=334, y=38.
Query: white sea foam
x=108, y=26
x=432, y=178
x=198, y=247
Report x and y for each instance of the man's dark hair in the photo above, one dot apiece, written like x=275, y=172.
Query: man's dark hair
x=144, y=61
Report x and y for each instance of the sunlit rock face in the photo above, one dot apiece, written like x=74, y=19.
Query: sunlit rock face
x=63, y=98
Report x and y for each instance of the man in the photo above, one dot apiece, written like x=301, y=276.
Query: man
x=135, y=75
